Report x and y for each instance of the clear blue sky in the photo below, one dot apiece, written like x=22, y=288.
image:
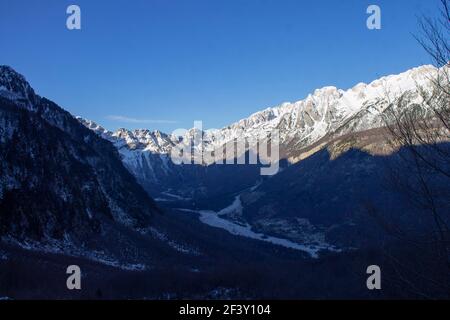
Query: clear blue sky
x=211, y=60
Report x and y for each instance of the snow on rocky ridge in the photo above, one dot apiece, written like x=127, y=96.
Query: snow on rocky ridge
x=303, y=122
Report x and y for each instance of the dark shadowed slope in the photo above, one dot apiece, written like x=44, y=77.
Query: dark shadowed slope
x=59, y=182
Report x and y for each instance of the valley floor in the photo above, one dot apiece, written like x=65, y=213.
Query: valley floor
x=229, y=267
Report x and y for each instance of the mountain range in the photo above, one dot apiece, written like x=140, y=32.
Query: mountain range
x=331, y=130
x=326, y=113
x=70, y=189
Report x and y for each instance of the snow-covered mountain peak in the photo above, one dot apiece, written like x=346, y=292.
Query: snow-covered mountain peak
x=91, y=125
x=329, y=104
x=397, y=83
x=325, y=91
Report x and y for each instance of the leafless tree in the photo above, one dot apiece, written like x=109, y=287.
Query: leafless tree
x=419, y=127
